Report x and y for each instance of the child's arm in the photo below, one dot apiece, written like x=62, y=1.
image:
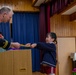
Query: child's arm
x=44, y=46
x=33, y=45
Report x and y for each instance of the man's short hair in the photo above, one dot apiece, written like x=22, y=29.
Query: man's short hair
x=5, y=9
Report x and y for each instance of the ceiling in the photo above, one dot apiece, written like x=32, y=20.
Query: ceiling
x=39, y=2
x=70, y=11
x=67, y=12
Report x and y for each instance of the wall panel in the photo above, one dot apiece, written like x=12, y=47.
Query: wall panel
x=62, y=25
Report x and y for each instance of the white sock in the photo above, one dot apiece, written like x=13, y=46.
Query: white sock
x=52, y=74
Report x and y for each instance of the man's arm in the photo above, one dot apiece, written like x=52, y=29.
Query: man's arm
x=5, y=44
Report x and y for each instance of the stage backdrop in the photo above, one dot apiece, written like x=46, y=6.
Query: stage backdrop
x=25, y=29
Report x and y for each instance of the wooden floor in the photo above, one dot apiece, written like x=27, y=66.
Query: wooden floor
x=37, y=73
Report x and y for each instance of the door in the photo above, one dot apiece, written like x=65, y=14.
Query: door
x=66, y=46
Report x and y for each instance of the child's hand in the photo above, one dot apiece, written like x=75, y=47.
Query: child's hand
x=33, y=45
x=28, y=45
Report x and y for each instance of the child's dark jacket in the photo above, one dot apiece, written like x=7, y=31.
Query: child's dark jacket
x=49, y=53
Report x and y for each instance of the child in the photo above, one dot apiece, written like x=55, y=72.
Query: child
x=49, y=53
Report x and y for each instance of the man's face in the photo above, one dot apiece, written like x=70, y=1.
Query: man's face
x=7, y=16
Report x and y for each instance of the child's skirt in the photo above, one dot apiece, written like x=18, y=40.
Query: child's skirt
x=48, y=69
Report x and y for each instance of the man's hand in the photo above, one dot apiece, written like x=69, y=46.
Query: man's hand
x=15, y=45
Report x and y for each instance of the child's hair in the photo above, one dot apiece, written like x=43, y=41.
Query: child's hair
x=54, y=36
